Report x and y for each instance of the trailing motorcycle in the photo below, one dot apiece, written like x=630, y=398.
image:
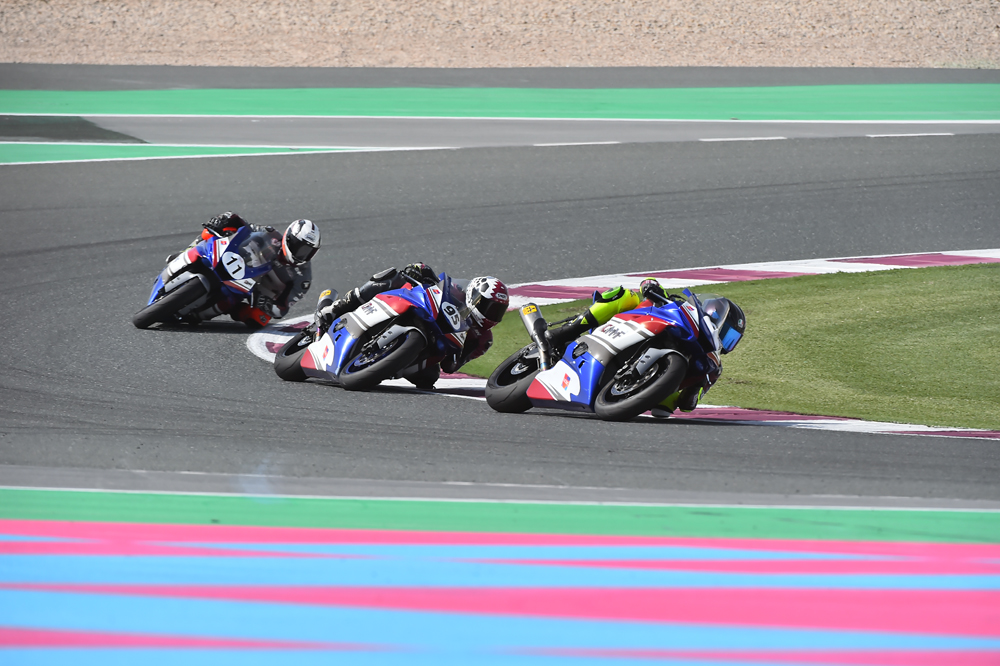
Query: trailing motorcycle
x=194, y=280
x=621, y=369
x=389, y=336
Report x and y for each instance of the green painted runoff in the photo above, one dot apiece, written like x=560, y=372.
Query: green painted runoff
x=603, y=519
x=931, y=101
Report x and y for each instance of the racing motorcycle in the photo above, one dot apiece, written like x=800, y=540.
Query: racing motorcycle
x=621, y=369
x=199, y=277
x=392, y=335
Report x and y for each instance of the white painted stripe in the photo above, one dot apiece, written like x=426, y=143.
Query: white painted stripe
x=730, y=121
x=222, y=155
x=814, y=266
x=518, y=301
x=803, y=507
x=578, y=143
x=275, y=146
x=984, y=254
x=748, y=138
x=886, y=136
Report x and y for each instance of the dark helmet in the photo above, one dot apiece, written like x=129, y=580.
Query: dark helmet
x=487, y=299
x=728, y=319
x=300, y=242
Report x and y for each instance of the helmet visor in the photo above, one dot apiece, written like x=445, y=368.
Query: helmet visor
x=491, y=310
x=729, y=337
x=300, y=251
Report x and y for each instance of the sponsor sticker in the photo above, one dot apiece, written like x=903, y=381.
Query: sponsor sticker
x=529, y=309
x=611, y=331
x=234, y=264
x=451, y=312
x=327, y=356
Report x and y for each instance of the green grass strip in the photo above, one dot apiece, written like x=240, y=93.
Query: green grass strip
x=960, y=101
x=731, y=522
x=905, y=346
x=20, y=152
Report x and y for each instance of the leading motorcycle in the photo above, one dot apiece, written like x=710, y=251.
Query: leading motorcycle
x=619, y=370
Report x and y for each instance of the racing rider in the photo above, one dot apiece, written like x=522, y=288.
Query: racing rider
x=289, y=254
x=486, y=297
x=726, y=315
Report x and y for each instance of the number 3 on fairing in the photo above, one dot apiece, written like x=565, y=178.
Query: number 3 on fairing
x=234, y=264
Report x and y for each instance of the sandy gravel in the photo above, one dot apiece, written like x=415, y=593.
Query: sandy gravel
x=503, y=33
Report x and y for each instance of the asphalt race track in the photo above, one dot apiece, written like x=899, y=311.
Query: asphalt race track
x=87, y=400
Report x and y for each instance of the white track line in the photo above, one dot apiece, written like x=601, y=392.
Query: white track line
x=888, y=136
x=577, y=143
x=474, y=500
x=747, y=138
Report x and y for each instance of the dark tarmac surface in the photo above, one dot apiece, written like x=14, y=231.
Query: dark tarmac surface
x=86, y=400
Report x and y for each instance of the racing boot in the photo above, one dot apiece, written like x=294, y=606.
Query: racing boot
x=422, y=375
x=327, y=314
x=560, y=337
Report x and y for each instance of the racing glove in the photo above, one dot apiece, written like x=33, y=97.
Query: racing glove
x=225, y=224
x=651, y=290
x=421, y=273
x=265, y=305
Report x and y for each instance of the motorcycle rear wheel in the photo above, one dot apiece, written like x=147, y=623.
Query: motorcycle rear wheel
x=507, y=387
x=286, y=361
x=367, y=369
x=624, y=398
x=164, y=309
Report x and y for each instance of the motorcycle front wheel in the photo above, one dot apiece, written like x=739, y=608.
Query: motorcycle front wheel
x=507, y=387
x=627, y=394
x=370, y=365
x=286, y=361
x=164, y=309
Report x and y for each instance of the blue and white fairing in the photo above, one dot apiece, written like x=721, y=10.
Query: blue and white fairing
x=575, y=380
x=235, y=266
x=437, y=311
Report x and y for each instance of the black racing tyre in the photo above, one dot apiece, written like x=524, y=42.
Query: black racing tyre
x=625, y=397
x=367, y=368
x=507, y=387
x=286, y=361
x=164, y=309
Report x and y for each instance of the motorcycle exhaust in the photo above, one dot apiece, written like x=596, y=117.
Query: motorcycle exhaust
x=536, y=326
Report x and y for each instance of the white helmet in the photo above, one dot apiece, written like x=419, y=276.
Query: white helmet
x=300, y=242
x=487, y=300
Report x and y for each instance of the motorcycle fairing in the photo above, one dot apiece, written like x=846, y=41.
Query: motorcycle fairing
x=575, y=380
x=328, y=355
x=572, y=383
x=217, y=253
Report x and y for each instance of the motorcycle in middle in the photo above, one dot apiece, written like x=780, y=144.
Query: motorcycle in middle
x=621, y=369
x=392, y=334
